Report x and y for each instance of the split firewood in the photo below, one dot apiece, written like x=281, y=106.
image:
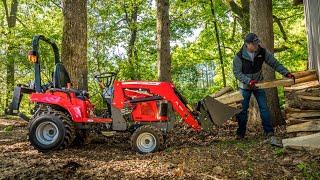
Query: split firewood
x=309, y=126
x=292, y=121
x=222, y=92
x=304, y=142
x=305, y=99
x=308, y=78
x=305, y=85
x=295, y=110
x=304, y=73
x=312, y=98
x=230, y=98
x=237, y=105
x=276, y=83
x=303, y=114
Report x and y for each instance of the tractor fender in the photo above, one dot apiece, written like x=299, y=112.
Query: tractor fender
x=77, y=108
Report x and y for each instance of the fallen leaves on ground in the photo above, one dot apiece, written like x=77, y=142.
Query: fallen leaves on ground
x=187, y=155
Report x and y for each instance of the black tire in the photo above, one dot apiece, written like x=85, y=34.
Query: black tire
x=61, y=125
x=146, y=136
x=81, y=137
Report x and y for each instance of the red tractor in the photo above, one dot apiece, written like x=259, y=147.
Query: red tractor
x=63, y=114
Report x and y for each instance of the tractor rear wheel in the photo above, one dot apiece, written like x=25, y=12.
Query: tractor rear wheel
x=51, y=130
x=146, y=139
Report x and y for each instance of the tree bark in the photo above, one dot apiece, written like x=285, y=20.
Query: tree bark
x=312, y=16
x=11, y=17
x=74, y=41
x=131, y=19
x=163, y=41
x=261, y=22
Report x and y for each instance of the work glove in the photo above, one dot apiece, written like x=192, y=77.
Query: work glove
x=291, y=76
x=252, y=84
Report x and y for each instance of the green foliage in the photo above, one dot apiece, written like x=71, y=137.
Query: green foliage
x=310, y=170
x=8, y=128
x=279, y=151
x=196, y=69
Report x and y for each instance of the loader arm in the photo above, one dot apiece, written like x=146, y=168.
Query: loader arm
x=163, y=89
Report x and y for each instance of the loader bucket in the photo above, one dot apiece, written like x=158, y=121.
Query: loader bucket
x=214, y=112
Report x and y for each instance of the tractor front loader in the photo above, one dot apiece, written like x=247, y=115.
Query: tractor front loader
x=143, y=108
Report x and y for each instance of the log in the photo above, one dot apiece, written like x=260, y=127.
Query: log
x=304, y=142
x=292, y=121
x=230, y=98
x=237, y=105
x=293, y=99
x=310, y=126
x=304, y=73
x=286, y=82
x=303, y=114
x=301, y=86
x=295, y=110
x=303, y=133
x=308, y=78
x=312, y=98
x=303, y=119
x=222, y=92
x=276, y=83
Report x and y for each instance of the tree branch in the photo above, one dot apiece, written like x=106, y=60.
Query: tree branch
x=19, y=20
x=277, y=20
x=235, y=8
x=245, y=5
x=58, y=5
x=126, y=13
x=291, y=16
x=280, y=49
x=297, y=2
x=234, y=28
x=6, y=9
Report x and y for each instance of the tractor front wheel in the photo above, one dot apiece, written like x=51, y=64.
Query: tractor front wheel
x=146, y=139
x=51, y=130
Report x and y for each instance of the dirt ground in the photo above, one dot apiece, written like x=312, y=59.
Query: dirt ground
x=188, y=155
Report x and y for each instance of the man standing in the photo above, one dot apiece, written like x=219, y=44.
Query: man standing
x=247, y=68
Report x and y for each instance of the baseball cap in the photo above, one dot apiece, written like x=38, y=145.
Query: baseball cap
x=252, y=38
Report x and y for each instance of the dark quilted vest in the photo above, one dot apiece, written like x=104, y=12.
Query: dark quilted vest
x=251, y=68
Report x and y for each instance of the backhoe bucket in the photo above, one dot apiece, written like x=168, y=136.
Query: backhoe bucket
x=213, y=112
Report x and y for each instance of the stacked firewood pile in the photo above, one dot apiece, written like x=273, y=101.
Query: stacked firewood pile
x=302, y=111
x=302, y=107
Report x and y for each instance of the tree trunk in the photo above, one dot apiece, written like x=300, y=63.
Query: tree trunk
x=11, y=17
x=163, y=41
x=218, y=43
x=74, y=42
x=131, y=20
x=311, y=11
x=262, y=24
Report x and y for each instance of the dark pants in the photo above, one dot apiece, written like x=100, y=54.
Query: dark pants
x=242, y=117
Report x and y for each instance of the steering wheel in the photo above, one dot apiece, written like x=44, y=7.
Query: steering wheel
x=108, y=77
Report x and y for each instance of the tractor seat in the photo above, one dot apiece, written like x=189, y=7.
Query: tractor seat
x=61, y=78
